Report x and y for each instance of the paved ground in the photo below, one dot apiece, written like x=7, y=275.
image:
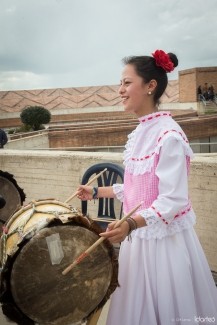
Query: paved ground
x=3, y=319
x=101, y=321
x=214, y=274
x=103, y=316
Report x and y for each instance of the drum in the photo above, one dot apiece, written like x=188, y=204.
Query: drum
x=39, y=241
x=12, y=193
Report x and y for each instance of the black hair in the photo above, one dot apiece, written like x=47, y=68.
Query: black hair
x=146, y=68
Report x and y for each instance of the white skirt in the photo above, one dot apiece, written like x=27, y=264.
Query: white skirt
x=164, y=282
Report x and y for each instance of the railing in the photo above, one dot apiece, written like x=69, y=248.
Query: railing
x=204, y=144
x=14, y=136
x=215, y=99
x=202, y=99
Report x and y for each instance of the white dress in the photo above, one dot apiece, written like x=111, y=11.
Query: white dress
x=164, y=276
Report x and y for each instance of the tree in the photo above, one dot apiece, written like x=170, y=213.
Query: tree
x=35, y=116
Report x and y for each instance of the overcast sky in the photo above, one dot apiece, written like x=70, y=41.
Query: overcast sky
x=75, y=43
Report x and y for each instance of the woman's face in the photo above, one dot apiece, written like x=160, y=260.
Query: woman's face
x=133, y=91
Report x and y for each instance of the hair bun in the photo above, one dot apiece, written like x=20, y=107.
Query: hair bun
x=174, y=59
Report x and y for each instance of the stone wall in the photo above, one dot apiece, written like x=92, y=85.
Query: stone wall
x=108, y=133
x=203, y=193
x=117, y=135
x=57, y=175
x=36, y=141
x=200, y=127
x=103, y=136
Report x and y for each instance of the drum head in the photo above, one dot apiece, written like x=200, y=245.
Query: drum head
x=12, y=193
x=45, y=295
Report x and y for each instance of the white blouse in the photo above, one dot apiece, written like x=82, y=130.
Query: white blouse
x=160, y=136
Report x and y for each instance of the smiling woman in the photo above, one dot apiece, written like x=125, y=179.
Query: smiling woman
x=163, y=273
x=144, y=76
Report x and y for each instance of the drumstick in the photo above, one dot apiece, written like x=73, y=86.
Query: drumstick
x=99, y=241
x=88, y=183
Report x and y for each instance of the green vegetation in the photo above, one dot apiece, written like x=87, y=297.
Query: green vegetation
x=24, y=128
x=11, y=131
x=35, y=117
x=211, y=111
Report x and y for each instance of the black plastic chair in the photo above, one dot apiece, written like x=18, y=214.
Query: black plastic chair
x=105, y=205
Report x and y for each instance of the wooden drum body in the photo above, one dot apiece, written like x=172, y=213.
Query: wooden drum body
x=39, y=242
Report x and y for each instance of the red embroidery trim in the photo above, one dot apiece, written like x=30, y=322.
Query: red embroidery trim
x=182, y=213
x=176, y=216
x=158, y=213
x=157, y=115
x=159, y=139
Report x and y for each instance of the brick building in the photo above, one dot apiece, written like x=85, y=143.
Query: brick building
x=190, y=79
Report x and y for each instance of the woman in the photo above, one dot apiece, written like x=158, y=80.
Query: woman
x=163, y=273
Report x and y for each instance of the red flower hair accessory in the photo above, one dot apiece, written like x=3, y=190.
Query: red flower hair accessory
x=163, y=60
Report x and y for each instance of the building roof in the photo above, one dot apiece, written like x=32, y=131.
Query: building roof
x=75, y=97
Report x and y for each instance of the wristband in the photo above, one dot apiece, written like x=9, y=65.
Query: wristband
x=94, y=192
x=136, y=224
x=131, y=226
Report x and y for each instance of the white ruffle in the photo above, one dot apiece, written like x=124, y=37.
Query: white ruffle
x=139, y=167
x=118, y=190
x=149, y=216
x=158, y=230
x=128, y=146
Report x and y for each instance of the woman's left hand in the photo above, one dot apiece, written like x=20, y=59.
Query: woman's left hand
x=116, y=235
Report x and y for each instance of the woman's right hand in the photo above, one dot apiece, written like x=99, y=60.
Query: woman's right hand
x=116, y=235
x=86, y=192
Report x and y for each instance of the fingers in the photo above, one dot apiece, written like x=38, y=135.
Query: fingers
x=85, y=192
x=116, y=235
x=113, y=236
x=111, y=225
x=81, y=196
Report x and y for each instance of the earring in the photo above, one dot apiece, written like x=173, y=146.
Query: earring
x=149, y=92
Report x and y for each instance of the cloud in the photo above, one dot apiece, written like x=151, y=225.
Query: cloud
x=187, y=37
x=13, y=79
x=66, y=43
x=10, y=9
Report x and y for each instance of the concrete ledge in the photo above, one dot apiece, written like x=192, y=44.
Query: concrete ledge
x=57, y=174
x=31, y=142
